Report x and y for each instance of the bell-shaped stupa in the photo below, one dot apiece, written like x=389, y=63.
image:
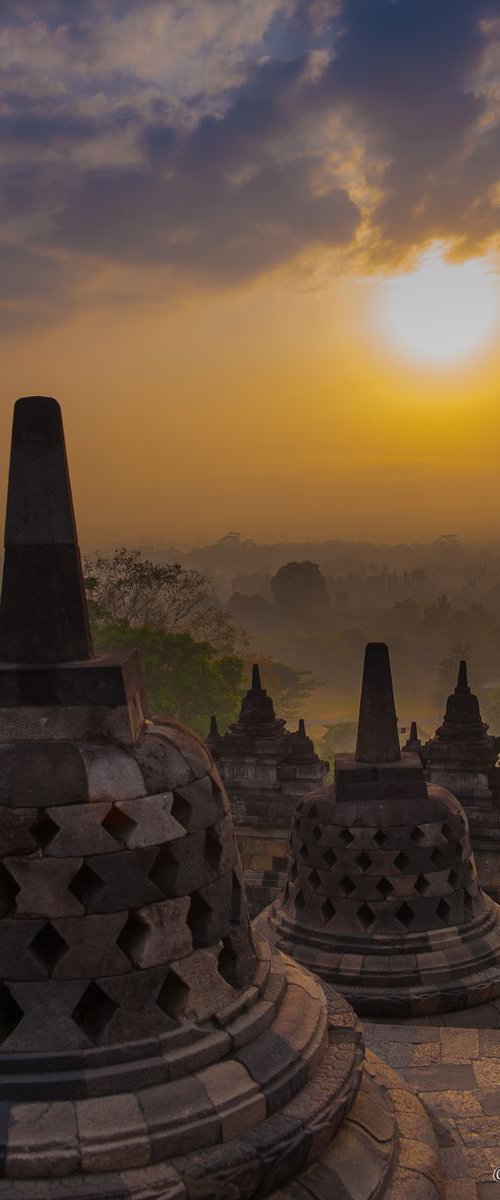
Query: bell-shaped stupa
x=382, y=897
x=462, y=756
x=151, y=1045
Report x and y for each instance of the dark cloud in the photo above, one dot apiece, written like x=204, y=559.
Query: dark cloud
x=231, y=182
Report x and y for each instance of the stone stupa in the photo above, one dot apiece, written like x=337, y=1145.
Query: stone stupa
x=151, y=1045
x=462, y=756
x=382, y=897
x=266, y=770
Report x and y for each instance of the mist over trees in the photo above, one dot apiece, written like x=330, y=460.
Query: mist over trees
x=306, y=611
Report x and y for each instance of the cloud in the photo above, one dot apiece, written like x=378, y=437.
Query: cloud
x=220, y=140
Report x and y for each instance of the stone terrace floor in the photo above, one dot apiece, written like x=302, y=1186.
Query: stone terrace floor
x=453, y=1062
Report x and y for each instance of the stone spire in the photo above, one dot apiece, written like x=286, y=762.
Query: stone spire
x=413, y=743
x=381, y=876
x=257, y=727
x=377, y=739
x=462, y=720
x=43, y=615
x=214, y=739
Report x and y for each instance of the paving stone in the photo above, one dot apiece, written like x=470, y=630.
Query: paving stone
x=450, y=1077
x=487, y=1072
x=459, y=1045
x=490, y=1102
x=426, y=1054
x=461, y=1189
x=449, y=1103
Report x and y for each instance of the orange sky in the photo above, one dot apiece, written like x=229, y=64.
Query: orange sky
x=197, y=223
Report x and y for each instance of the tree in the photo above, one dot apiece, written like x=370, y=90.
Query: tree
x=165, y=596
x=300, y=591
x=184, y=678
x=288, y=686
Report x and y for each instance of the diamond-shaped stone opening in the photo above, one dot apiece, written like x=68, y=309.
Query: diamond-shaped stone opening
x=453, y=878
x=470, y=868
x=327, y=911
x=119, y=824
x=304, y=853
x=94, y=1012
x=380, y=838
x=446, y=830
x=443, y=911
x=44, y=830
x=48, y=947
x=299, y=902
x=165, y=870
x=10, y=1013
x=366, y=916
x=422, y=885
x=363, y=861
x=133, y=936
x=402, y=861
x=468, y=902
x=317, y=833
x=312, y=812
x=213, y=848
x=384, y=888
x=181, y=810
x=86, y=886
x=314, y=881
x=346, y=886
x=405, y=915
x=173, y=997
x=293, y=871
x=437, y=857
x=199, y=919
x=417, y=835
x=329, y=858
x=346, y=837
x=8, y=891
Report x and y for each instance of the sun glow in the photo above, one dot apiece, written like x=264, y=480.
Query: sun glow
x=441, y=311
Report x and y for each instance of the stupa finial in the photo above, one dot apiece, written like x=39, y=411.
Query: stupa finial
x=43, y=611
x=462, y=681
x=302, y=727
x=378, y=739
x=214, y=731
x=413, y=732
x=256, y=684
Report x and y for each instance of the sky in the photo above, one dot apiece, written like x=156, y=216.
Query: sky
x=252, y=246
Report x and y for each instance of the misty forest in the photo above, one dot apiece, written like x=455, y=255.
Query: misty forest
x=200, y=617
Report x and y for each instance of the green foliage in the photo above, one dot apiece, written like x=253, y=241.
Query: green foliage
x=126, y=586
x=339, y=738
x=184, y=678
x=288, y=686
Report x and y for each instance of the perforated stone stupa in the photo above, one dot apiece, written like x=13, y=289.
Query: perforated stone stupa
x=462, y=756
x=382, y=897
x=266, y=769
x=151, y=1045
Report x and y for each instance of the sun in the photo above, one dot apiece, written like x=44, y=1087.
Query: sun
x=442, y=311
